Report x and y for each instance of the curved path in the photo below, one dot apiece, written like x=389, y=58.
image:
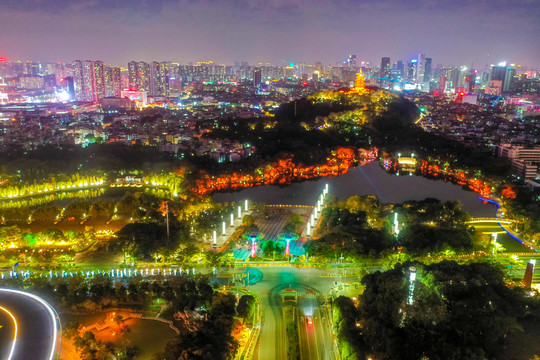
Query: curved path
x=509, y=232
x=36, y=322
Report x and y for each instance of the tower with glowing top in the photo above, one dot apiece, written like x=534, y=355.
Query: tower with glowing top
x=360, y=84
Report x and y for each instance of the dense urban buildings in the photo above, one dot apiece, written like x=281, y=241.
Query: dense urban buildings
x=492, y=106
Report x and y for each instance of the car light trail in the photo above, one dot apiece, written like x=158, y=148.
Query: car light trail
x=51, y=311
x=14, y=332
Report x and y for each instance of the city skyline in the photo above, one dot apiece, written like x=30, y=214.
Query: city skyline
x=277, y=31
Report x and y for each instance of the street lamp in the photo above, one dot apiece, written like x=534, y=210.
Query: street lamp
x=253, y=248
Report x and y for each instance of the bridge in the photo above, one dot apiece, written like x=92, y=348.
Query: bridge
x=491, y=220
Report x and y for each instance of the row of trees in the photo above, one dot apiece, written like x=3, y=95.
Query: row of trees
x=136, y=205
x=13, y=237
x=79, y=293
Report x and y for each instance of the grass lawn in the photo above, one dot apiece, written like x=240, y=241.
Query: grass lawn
x=509, y=243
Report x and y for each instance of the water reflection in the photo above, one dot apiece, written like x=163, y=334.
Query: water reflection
x=370, y=179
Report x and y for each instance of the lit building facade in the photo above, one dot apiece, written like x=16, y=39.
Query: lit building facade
x=89, y=80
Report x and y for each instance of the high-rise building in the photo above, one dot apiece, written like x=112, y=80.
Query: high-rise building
x=411, y=70
x=508, y=78
x=69, y=87
x=32, y=68
x=98, y=73
x=77, y=80
x=400, y=67
x=420, y=68
x=498, y=73
x=89, y=79
x=351, y=61
x=385, y=72
x=257, y=77
x=442, y=84
x=139, y=75
x=159, y=79
x=470, y=81
x=132, y=74
x=113, y=82
x=116, y=78
x=427, y=70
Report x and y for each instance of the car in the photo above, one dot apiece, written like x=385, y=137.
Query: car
x=309, y=320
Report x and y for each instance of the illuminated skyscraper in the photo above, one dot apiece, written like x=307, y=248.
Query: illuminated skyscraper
x=113, y=82
x=116, y=78
x=470, y=81
x=68, y=86
x=411, y=70
x=139, y=75
x=442, y=83
x=420, y=68
x=32, y=68
x=351, y=61
x=89, y=79
x=257, y=77
x=98, y=81
x=498, y=73
x=508, y=78
x=427, y=70
x=400, y=68
x=159, y=79
x=385, y=71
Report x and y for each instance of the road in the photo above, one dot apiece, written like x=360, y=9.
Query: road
x=316, y=338
x=312, y=287
x=37, y=325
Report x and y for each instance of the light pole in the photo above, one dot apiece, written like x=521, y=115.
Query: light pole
x=253, y=247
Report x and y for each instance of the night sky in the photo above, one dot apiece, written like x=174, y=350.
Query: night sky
x=459, y=32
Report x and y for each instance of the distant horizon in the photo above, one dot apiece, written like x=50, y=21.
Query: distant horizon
x=460, y=32
x=263, y=63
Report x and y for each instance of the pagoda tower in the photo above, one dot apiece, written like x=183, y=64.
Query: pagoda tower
x=360, y=84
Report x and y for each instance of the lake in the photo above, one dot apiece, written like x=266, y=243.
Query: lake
x=369, y=179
